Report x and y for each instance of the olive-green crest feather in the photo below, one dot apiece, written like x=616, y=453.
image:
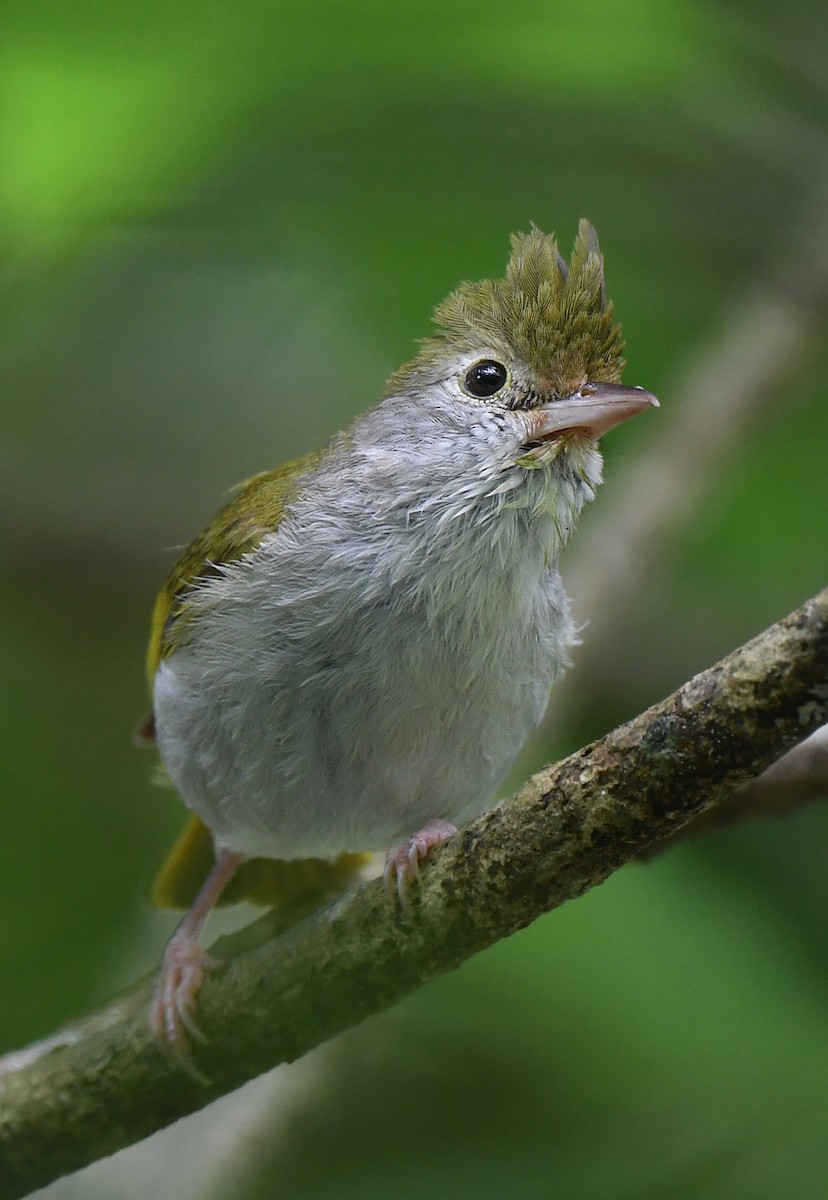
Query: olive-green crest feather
x=552, y=318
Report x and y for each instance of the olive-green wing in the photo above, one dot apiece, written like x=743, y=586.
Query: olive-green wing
x=256, y=509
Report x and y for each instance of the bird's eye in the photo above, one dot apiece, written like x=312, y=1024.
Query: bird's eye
x=485, y=379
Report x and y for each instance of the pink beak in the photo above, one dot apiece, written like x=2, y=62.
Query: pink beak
x=595, y=408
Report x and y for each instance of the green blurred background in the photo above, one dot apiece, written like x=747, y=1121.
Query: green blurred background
x=222, y=225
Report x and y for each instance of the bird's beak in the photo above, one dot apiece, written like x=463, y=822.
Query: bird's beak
x=595, y=408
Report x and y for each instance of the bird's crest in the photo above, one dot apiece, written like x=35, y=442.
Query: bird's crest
x=550, y=316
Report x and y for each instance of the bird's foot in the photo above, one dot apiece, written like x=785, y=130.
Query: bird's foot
x=171, y=1016
x=184, y=968
x=402, y=863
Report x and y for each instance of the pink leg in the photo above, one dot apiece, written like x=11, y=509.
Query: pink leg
x=185, y=965
x=402, y=863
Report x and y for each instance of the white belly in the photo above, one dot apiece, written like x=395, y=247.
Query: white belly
x=298, y=722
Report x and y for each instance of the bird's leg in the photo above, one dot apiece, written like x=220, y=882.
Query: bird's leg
x=185, y=964
x=402, y=863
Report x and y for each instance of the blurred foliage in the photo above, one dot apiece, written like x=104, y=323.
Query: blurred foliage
x=221, y=226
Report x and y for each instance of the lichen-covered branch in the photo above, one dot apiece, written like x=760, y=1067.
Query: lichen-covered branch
x=800, y=777
x=565, y=831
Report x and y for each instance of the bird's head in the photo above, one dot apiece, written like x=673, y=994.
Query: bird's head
x=535, y=357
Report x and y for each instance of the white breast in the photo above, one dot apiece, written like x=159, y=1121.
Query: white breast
x=369, y=667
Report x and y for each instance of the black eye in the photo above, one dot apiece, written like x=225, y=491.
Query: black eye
x=485, y=378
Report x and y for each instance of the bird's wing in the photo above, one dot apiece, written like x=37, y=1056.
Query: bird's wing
x=256, y=509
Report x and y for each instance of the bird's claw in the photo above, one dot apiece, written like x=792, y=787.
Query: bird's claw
x=402, y=863
x=171, y=1016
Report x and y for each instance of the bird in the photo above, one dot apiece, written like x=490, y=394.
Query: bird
x=351, y=655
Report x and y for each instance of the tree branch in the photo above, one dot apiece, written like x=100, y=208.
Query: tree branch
x=800, y=777
x=565, y=831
